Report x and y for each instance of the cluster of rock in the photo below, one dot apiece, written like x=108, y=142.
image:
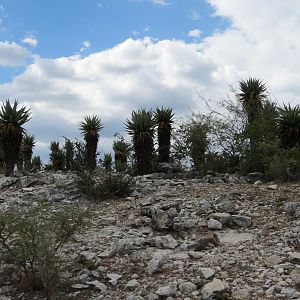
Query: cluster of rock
x=216, y=237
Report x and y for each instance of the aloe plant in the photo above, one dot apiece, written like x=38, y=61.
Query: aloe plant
x=141, y=128
x=164, y=118
x=12, y=118
x=27, y=146
x=122, y=150
x=289, y=125
x=90, y=128
x=252, y=93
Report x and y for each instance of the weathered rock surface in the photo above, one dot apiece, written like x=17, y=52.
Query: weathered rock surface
x=176, y=237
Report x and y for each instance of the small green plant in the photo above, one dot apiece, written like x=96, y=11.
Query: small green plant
x=105, y=185
x=30, y=241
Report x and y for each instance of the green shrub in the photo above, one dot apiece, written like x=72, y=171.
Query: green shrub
x=105, y=185
x=30, y=241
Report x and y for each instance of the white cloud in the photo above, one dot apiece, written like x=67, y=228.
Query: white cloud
x=32, y=41
x=85, y=45
x=195, y=33
x=262, y=41
x=110, y=83
x=12, y=54
x=194, y=15
x=161, y=2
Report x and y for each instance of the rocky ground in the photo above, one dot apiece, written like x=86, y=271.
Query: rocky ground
x=209, y=238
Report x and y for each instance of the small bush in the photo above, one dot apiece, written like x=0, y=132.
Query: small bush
x=30, y=241
x=105, y=185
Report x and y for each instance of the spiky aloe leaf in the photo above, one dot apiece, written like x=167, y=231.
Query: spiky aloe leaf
x=141, y=128
x=141, y=124
x=289, y=125
x=91, y=125
x=11, y=120
x=252, y=93
x=90, y=128
x=164, y=117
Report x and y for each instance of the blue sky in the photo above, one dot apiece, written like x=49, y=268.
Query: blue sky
x=62, y=26
x=65, y=59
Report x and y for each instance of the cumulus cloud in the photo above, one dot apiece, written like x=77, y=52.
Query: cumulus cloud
x=161, y=2
x=111, y=83
x=12, y=54
x=146, y=73
x=194, y=15
x=195, y=33
x=32, y=41
x=85, y=45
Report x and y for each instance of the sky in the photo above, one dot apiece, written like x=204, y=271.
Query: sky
x=66, y=59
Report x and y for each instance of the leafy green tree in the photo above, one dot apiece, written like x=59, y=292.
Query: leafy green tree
x=90, y=128
x=192, y=141
x=11, y=120
x=289, y=126
x=164, y=117
x=27, y=147
x=141, y=128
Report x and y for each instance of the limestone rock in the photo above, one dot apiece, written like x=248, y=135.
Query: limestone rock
x=213, y=288
x=214, y=224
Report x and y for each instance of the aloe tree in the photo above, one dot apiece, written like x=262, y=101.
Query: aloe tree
x=252, y=93
x=107, y=162
x=57, y=159
x=164, y=118
x=37, y=163
x=69, y=154
x=11, y=120
x=122, y=150
x=90, y=128
x=141, y=128
x=27, y=146
x=289, y=125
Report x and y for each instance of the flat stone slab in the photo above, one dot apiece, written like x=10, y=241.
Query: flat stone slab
x=234, y=237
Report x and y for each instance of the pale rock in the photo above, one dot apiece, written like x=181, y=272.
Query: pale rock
x=272, y=260
x=166, y=291
x=294, y=257
x=114, y=278
x=207, y=272
x=154, y=265
x=187, y=287
x=166, y=242
x=214, y=287
x=132, y=284
x=295, y=275
x=241, y=221
x=214, y=224
x=241, y=294
x=79, y=286
x=99, y=285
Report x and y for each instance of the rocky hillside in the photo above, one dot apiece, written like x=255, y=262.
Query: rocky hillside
x=209, y=238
